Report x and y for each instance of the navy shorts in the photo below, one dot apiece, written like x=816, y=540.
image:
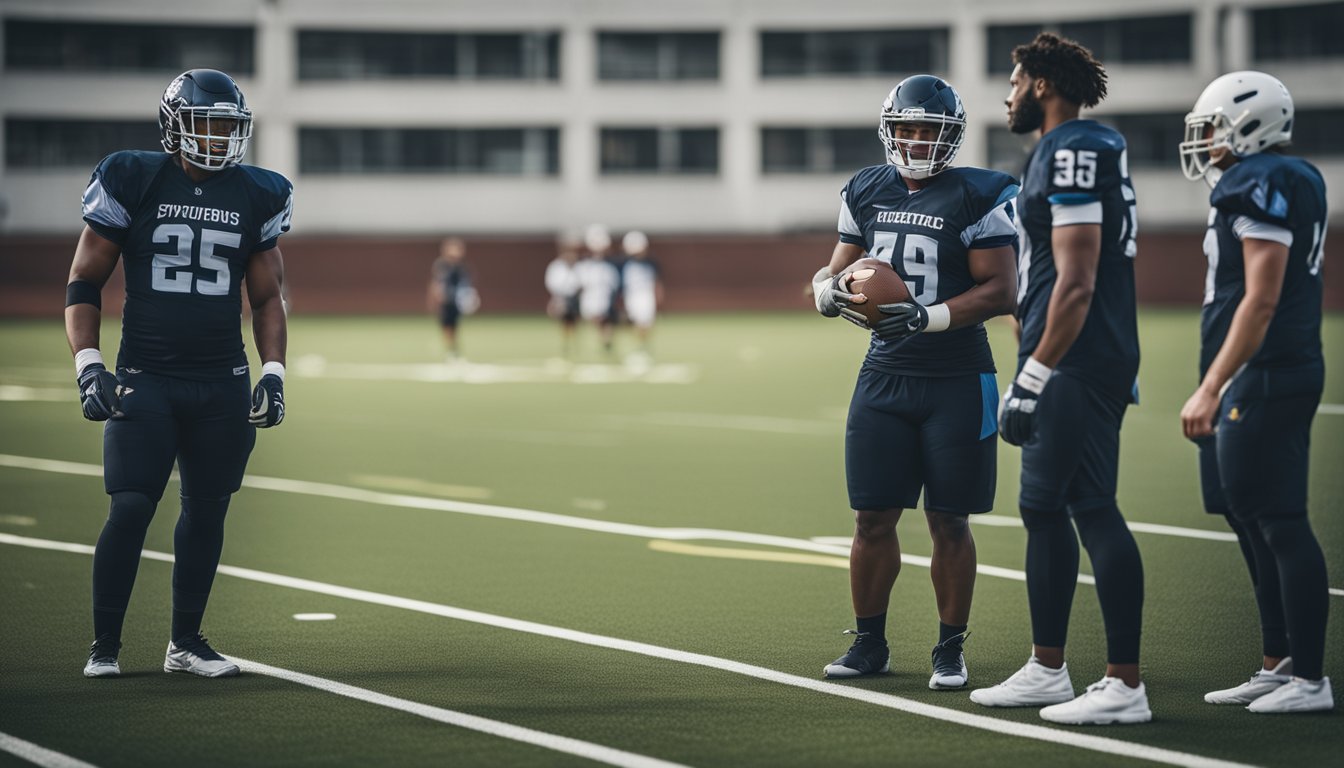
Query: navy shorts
x=448, y=315
x=1074, y=456
x=1256, y=464
x=202, y=425
x=907, y=433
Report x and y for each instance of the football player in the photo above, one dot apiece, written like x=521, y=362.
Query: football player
x=562, y=283
x=642, y=287
x=600, y=284
x=1078, y=359
x=1262, y=372
x=451, y=293
x=190, y=224
x=922, y=416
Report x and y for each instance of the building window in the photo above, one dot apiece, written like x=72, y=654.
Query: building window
x=35, y=143
x=819, y=150
x=658, y=55
x=1008, y=151
x=501, y=151
x=1134, y=40
x=853, y=52
x=660, y=150
x=1298, y=32
x=1152, y=139
x=1316, y=132
x=102, y=47
x=345, y=55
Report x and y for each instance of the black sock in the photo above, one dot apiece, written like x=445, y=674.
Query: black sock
x=873, y=625
x=948, y=631
x=116, y=560
x=197, y=543
x=1052, y=574
x=1118, y=569
x=1265, y=583
x=1304, y=589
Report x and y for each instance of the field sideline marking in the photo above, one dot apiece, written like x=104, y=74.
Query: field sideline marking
x=39, y=755
x=982, y=722
x=551, y=741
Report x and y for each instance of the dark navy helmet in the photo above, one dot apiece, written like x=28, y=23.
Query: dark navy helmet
x=922, y=126
x=204, y=117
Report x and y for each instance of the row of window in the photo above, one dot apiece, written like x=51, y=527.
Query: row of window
x=1278, y=34
x=535, y=151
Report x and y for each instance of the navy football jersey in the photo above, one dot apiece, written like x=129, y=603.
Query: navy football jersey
x=925, y=235
x=185, y=246
x=1079, y=174
x=1267, y=197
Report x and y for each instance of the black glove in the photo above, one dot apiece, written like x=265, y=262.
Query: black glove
x=268, y=402
x=902, y=320
x=99, y=393
x=1017, y=414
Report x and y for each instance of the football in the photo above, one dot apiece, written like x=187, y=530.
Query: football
x=877, y=280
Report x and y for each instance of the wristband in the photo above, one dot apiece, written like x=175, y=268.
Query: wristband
x=86, y=357
x=275, y=368
x=940, y=318
x=1034, y=375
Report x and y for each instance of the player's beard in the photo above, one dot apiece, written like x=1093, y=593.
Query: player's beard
x=1028, y=116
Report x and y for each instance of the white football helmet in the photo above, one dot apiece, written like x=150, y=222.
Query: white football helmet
x=1246, y=112
x=635, y=242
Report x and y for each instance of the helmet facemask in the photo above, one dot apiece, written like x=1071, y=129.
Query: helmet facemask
x=212, y=137
x=920, y=159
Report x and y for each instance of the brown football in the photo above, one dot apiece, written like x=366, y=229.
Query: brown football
x=875, y=279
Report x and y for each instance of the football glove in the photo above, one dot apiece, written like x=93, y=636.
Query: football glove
x=902, y=320
x=268, y=402
x=830, y=297
x=1017, y=414
x=99, y=393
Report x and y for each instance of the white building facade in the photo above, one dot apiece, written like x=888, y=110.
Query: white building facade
x=539, y=116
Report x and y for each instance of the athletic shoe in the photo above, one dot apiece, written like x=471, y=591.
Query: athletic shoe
x=1297, y=695
x=1104, y=702
x=1034, y=685
x=867, y=656
x=1262, y=682
x=949, y=664
x=103, y=658
x=192, y=653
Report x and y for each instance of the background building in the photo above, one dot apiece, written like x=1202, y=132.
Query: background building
x=524, y=118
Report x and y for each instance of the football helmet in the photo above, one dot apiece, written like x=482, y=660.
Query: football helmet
x=204, y=117
x=927, y=100
x=1245, y=112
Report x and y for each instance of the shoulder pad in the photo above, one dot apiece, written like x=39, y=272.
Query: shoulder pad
x=1259, y=186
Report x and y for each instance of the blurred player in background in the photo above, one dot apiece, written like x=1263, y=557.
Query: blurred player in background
x=190, y=224
x=562, y=283
x=1262, y=372
x=599, y=284
x=922, y=415
x=642, y=289
x=1078, y=360
x=451, y=293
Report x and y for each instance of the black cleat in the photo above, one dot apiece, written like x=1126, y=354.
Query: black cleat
x=949, y=664
x=867, y=656
x=103, y=658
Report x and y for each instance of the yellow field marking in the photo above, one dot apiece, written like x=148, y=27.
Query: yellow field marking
x=416, y=485
x=732, y=553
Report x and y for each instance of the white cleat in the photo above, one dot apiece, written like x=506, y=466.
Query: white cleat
x=1105, y=702
x=1034, y=685
x=1261, y=683
x=103, y=659
x=193, y=654
x=1297, y=695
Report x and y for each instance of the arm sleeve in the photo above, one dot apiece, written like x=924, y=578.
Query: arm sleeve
x=848, y=225
x=106, y=202
x=1244, y=227
x=1079, y=176
x=1249, y=192
x=275, y=226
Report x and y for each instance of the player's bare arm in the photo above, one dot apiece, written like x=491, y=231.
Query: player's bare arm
x=1077, y=250
x=995, y=293
x=1265, y=263
x=95, y=259
x=265, y=278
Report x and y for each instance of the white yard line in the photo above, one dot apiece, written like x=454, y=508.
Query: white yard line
x=1070, y=738
x=585, y=749
x=37, y=755
x=1331, y=409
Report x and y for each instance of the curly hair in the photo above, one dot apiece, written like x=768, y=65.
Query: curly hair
x=1071, y=69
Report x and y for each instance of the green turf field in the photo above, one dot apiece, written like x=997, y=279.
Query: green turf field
x=538, y=564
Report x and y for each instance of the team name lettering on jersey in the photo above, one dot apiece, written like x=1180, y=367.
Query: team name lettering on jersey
x=909, y=217
x=197, y=213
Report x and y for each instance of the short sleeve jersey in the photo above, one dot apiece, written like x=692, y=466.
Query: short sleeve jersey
x=926, y=235
x=639, y=277
x=185, y=246
x=1078, y=174
x=1281, y=199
